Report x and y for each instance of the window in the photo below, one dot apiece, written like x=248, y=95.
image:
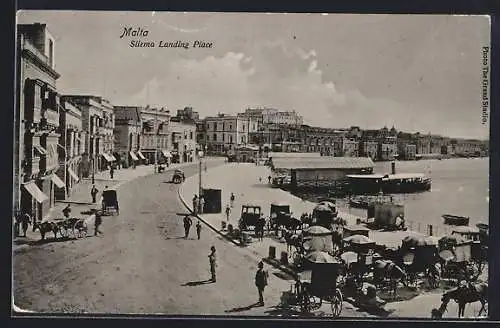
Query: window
x=215, y=136
x=38, y=97
x=51, y=52
x=223, y=137
x=191, y=135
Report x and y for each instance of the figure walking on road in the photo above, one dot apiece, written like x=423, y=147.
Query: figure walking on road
x=213, y=263
x=201, y=202
x=25, y=222
x=187, y=226
x=269, y=179
x=261, y=282
x=93, y=193
x=231, y=199
x=111, y=171
x=195, y=204
x=228, y=212
x=97, y=223
x=198, y=229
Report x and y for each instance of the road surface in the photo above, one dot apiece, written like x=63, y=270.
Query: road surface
x=142, y=264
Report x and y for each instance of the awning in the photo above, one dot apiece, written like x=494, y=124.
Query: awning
x=134, y=156
x=59, y=183
x=35, y=192
x=73, y=174
x=141, y=155
x=166, y=153
x=108, y=157
x=40, y=149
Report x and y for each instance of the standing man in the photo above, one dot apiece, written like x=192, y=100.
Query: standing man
x=25, y=222
x=228, y=212
x=213, y=263
x=231, y=199
x=269, y=179
x=97, y=222
x=187, y=226
x=93, y=193
x=201, y=204
x=195, y=204
x=198, y=229
x=261, y=282
x=111, y=171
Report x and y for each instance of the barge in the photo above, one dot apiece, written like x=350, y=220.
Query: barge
x=388, y=184
x=455, y=220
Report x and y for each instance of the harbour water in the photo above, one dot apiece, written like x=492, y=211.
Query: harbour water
x=460, y=186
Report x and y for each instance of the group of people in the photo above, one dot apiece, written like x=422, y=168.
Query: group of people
x=198, y=204
x=187, y=227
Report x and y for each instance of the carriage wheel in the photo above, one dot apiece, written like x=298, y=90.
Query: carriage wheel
x=336, y=303
x=83, y=230
x=71, y=232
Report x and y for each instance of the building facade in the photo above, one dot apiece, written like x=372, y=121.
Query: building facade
x=264, y=115
x=224, y=132
x=127, y=134
x=183, y=140
x=71, y=147
x=36, y=129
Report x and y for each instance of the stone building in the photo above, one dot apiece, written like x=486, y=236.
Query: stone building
x=183, y=140
x=127, y=134
x=71, y=147
x=224, y=132
x=36, y=128
x=98, y=122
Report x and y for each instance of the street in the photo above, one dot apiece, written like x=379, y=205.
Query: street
x=142, y=264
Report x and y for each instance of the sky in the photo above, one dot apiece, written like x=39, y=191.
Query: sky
x=415, y=72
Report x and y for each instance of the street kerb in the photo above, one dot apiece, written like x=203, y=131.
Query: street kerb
x=257, y=257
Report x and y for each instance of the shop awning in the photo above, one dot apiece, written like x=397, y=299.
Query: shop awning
x=40, y=149
x=108, y=157
x=141, y=155
x=59, y=183
x=134, y=156
x=166, y=153
x=35, y=192
x=73, y=174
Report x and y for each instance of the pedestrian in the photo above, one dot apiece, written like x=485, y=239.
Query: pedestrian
x=213, y=263
x=269, y=179
x=261, y=282
x=260, y=179
x=111, y=171
x=67, y=211
x=97, y=222
x=25, y=222
x=18, y=218
x=198, y=229
x=195, y=204
x=228, y=212
x=201, y=204
x=205, y=167
x=232, y=200
x=93, y=193
x=187, y=226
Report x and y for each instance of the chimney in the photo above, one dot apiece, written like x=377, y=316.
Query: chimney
x=393, y=167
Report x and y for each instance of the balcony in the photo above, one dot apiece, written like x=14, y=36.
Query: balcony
x=51, y=117
x=33, y=166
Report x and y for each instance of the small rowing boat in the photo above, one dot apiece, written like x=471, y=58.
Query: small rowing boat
x=455, y=220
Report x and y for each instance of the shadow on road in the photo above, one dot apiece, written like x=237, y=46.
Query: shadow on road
x=261, y=185
x=198, y=283
x=244, y=308
x=287, y=311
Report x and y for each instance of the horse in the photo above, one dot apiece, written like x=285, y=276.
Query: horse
x=383, y=269
x=469, y=293
x=45, y=227
x=292, y=240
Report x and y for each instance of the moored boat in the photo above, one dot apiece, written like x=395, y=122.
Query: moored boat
x=455, y=220
x=388, y=184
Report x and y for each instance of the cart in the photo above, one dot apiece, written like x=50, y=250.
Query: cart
x=277, y=212
x=178, y=176
x=322, y=286
x=109, y=202
x=250, y=216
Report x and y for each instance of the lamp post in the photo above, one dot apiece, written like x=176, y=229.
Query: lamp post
x=200, y=156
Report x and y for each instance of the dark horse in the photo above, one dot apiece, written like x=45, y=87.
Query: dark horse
x=45, y=227
x=292, y=240
x=386, y=269
x=462, y=296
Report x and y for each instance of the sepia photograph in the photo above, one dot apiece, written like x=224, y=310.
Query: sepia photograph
x=263, y=165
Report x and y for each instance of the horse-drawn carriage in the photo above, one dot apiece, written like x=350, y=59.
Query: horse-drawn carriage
x=420, y=257
x=457, y=258
x=324, y=214
x=250, y=216
x=281, y=216
x=65, y=227
x=109, y=202
x=321, y=283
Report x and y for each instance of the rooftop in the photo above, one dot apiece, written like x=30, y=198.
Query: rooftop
x=323, y=162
